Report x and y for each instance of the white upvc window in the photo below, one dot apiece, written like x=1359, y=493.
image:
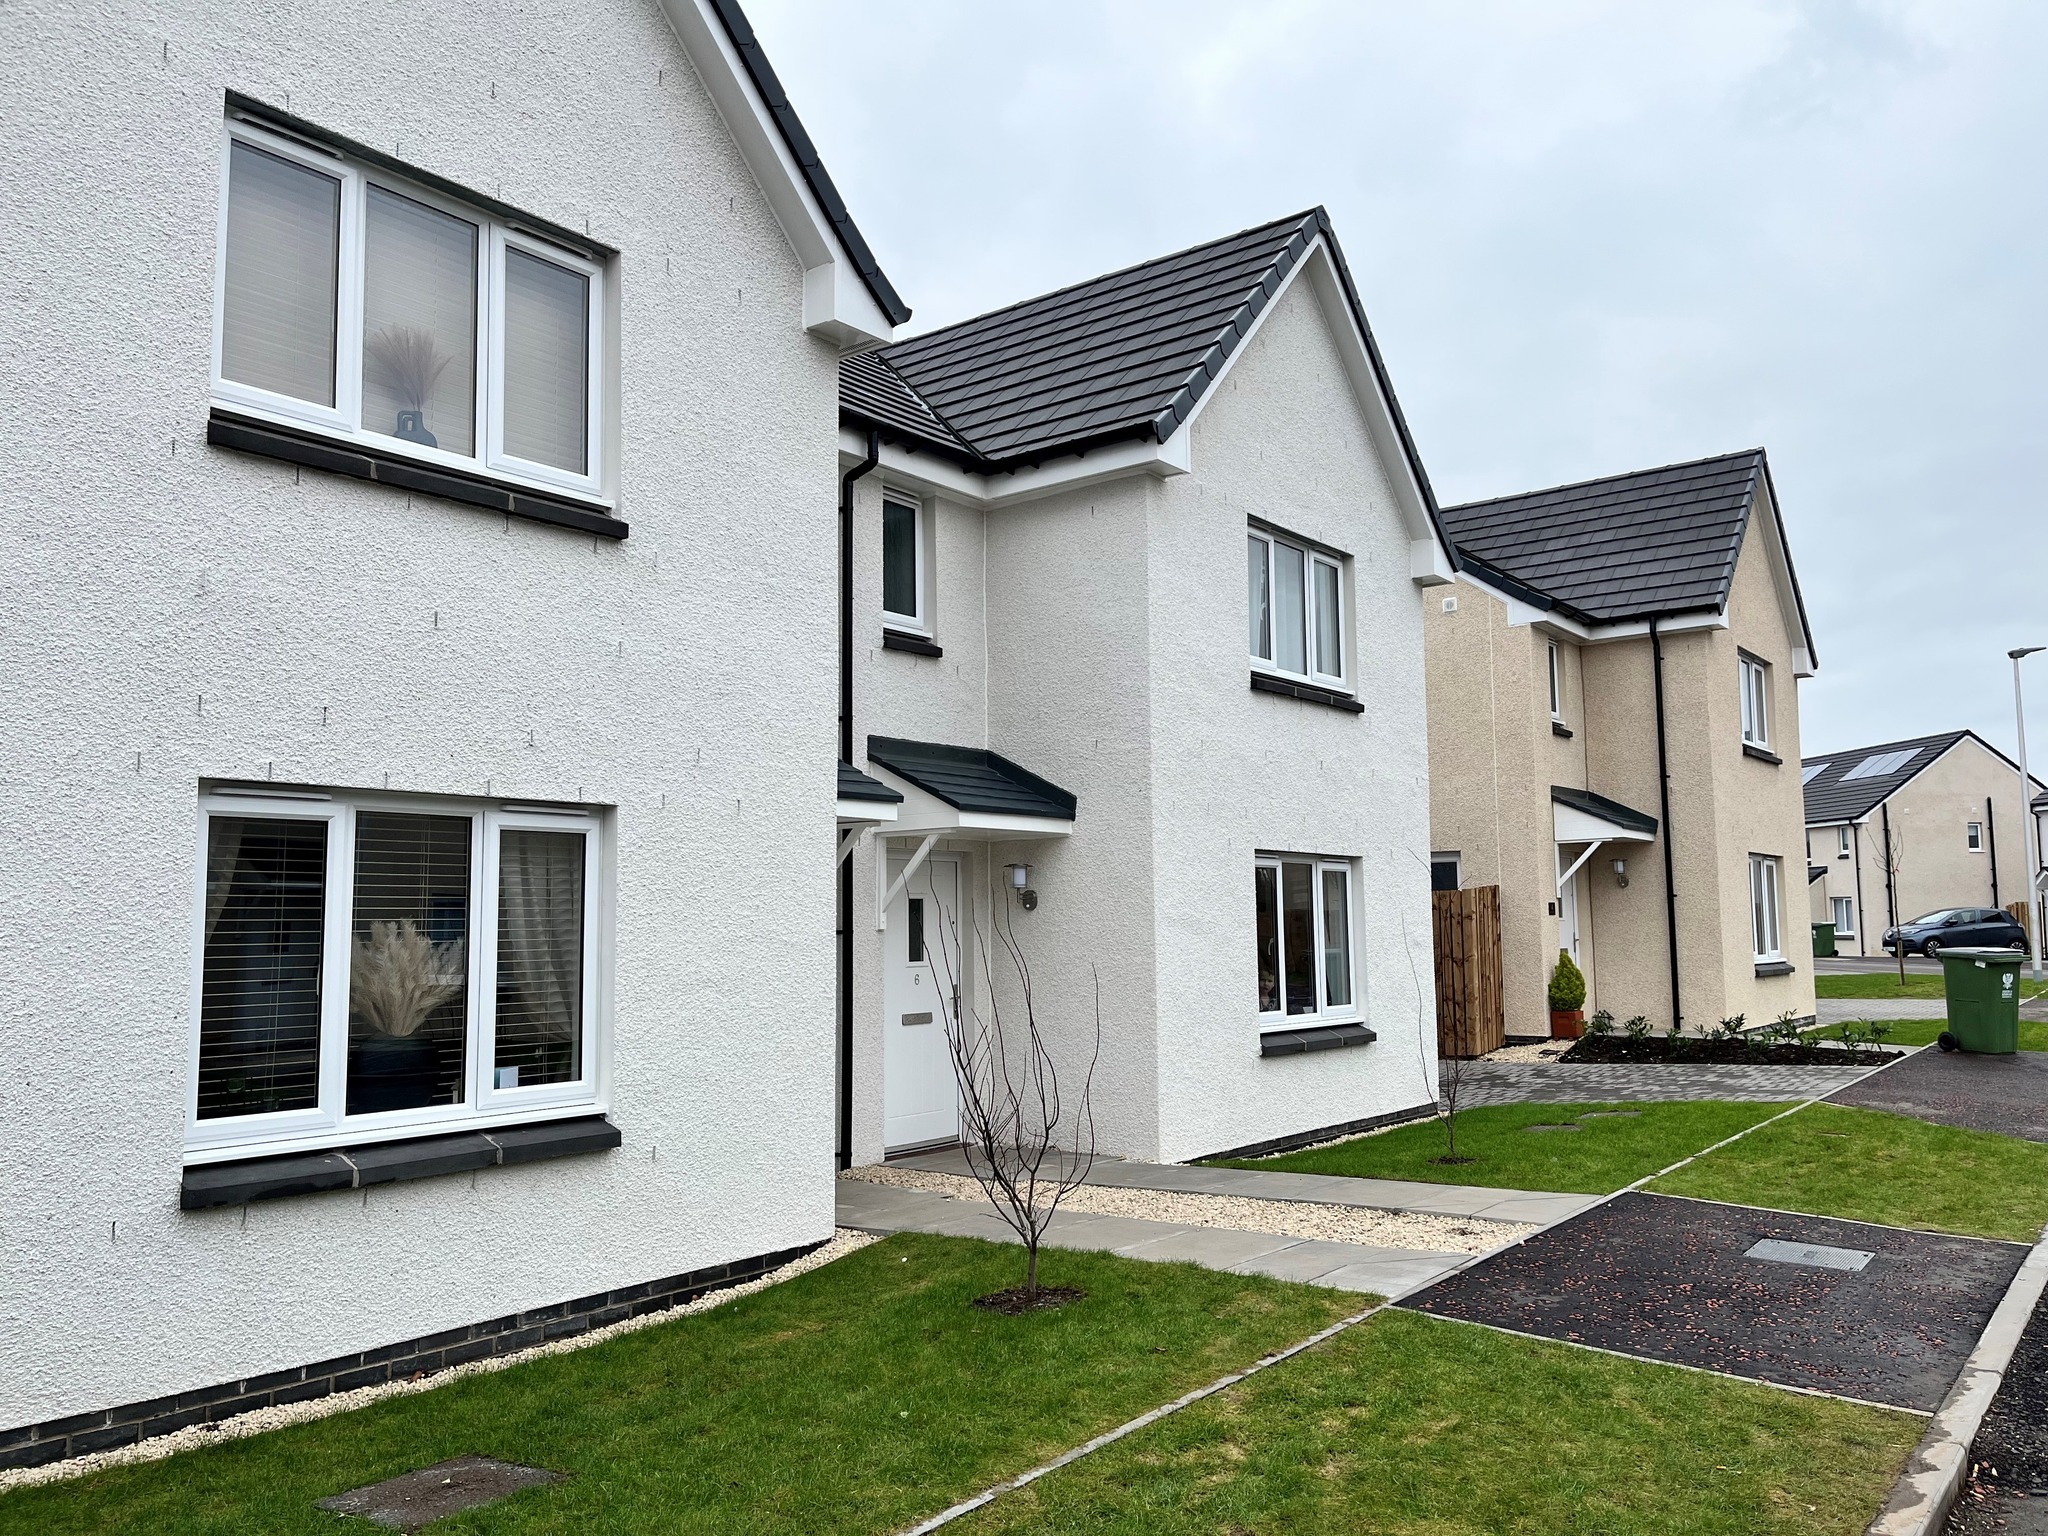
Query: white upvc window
x=1841, y=842
x=1296, y=601
x=1973, y=836
x=1556, y=682
x=368, y=966
x=1763, y=907
x=354, y=303
x=903, y=564
x=1304, y=939
x=1756, y=701
x=1844, y=908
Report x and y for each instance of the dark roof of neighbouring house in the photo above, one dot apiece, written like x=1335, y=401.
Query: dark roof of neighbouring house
x=1656, y=541
x=1815, y=872
x=972, y=778
x=741, y=33
x=1612, y=811
x=1124, y=356
x=855, y=785
x=1832, y=797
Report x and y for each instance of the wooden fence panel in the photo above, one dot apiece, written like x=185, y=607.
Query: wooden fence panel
x=1471, y=1017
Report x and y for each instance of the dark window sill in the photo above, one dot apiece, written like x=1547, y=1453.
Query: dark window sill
x=1775, y=967
x=909, y=644
x=1321, y=1037
x=311, y=1173
x=1559, y=728
x=1308, y=693
x=224, y=429
x=1762, y=755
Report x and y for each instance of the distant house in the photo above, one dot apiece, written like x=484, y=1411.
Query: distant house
x=1613, y=714
x=1951, y=806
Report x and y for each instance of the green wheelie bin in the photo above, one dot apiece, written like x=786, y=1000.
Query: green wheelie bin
x=1824, y=941
x=1983, y=988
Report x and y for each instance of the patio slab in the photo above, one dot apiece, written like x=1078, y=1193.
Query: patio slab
x=1500, y=1082
x=1671, y=1279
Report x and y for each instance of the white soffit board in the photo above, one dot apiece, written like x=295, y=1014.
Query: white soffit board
x=1572, y=825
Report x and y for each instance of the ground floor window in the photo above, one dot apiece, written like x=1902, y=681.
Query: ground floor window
x=1763, y=906
x=1304, y=936
x=379, y=961
x=1845, y=916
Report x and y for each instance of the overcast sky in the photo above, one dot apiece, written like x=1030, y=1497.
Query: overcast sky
x=1591, y=236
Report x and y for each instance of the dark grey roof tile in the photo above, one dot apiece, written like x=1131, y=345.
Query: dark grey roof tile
x=972, y=778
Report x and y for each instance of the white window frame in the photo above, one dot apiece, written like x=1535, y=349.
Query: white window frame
x=1756, y=700
x=1766, y=908
x=1841, y=842
x=484, y=1105
x=1973, y=836
x=343, y=420
x=1313, y=556
x=1556, y=682
x=916, y=622
x=1837, y=905
x=1323, y=1013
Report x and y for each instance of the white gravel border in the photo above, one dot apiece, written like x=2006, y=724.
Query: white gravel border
x=262, y=1420
x=1242, y=1213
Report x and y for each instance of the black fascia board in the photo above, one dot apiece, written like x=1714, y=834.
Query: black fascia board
x=740, y=32
x=263, y=115
x=1626, y=817
x=861, y=421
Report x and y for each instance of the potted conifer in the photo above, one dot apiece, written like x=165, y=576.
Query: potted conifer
x=1567, y=999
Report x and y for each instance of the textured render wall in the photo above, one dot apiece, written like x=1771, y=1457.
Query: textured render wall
x=923, y=698
x=1235, y=771
x=340, y=634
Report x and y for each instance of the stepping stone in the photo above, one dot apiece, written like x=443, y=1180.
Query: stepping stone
x=413, y=1499
x=1611, y=1114
x=1550, y=1127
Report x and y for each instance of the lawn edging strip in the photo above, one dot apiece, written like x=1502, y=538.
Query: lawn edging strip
x=1926, y=1491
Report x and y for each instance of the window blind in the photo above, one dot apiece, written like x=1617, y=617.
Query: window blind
x=419, y=323
x=283, y=239
x=547, y=362
x=540, y=957
x=408, y=1026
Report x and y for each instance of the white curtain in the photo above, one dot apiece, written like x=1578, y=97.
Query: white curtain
x=540, y=951
x=223, y=856
x=419, y=321
x=277, y=316
x=547, y=362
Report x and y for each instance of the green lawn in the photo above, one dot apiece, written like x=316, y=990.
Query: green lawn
x=1601, y=1156
x=1882, y=984
x=1863, y=1165
x=857, y=1398
x=1415, y=1426
x=2033, y=1033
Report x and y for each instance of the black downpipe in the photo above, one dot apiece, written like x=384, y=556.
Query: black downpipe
x=874, y=457
x=1664, y=805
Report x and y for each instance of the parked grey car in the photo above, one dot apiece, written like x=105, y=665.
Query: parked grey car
x=1956, y=928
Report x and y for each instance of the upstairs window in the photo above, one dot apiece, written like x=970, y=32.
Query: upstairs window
x=1756, y=701
x=1304, y=938
x=1295, y=595
x=1973, y=836
x=382, y=963
x=356, y=303
x=1556, y=682
x=1841, y=842
x=903, y=562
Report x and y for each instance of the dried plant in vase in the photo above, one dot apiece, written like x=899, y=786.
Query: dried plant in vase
x=398, y=976
x=408, y=362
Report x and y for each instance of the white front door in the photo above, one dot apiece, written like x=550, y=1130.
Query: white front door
x=1568, y=908
x=920, y=1100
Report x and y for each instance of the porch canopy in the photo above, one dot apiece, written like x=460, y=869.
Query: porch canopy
x=865, y=802
x=960, y=792
x=1580, y=816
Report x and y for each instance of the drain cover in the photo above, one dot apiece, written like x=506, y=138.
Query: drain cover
x=407, y=1502
x=1813, y=1255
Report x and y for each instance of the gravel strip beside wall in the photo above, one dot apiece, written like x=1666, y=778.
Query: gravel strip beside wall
x=1242, y=1213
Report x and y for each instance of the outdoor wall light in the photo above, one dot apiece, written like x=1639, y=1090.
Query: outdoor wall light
x=1020, y=882
x=1621, y=873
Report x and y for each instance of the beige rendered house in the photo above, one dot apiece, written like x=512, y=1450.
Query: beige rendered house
x=1951, y=805
x=1613, y=724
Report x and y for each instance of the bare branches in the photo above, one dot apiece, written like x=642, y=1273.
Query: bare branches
x=1024, y=1147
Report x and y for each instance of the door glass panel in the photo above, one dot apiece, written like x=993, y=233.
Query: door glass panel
x=547, y=362
x=1298, y=929
x=540, y=958
x=259, y=990
x=915, y=930
x=899, y=559
x=1329, y=629
x=1336, y=939
x=1258, y=598
x=1266, y=890
x=1290, y=637
x=277, y=309
x=408, y=988
x=419, y=324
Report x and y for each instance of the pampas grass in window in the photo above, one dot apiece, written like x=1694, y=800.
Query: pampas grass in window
x=398, y=976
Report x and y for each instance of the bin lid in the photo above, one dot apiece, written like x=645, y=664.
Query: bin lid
x=2007, y=956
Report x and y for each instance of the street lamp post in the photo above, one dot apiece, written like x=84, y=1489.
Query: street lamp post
x=2030, y=829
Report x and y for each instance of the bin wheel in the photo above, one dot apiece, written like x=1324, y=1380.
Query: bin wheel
x=1946, y=1041
x=1931, y=949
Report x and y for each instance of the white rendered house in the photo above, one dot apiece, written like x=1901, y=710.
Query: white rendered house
x=1136, y=620
x=397, y=761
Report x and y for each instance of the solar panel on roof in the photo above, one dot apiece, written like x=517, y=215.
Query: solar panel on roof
x=1880, y=764
x=1811, y=772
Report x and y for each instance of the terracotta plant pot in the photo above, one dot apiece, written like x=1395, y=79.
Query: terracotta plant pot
x=1567, y=1023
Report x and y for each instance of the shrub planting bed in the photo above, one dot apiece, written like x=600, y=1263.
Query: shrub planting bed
x=1718, y=1050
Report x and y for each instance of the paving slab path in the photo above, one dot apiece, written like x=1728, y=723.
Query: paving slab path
x=1489, y=1082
